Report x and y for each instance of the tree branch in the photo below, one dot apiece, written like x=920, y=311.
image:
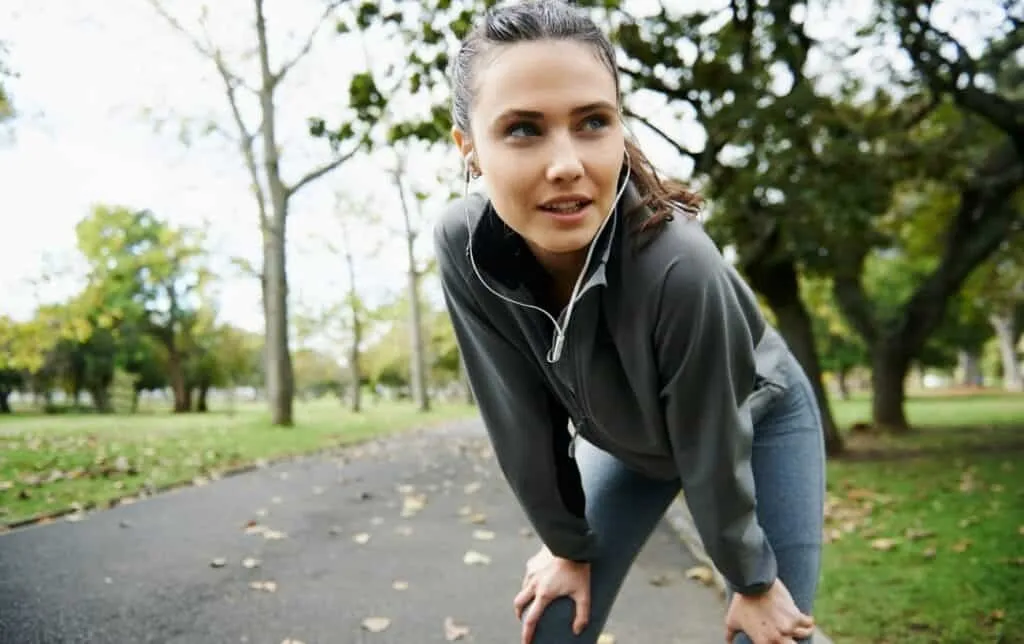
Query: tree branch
x=307, y=44
x=320, y=171
x=695, y=156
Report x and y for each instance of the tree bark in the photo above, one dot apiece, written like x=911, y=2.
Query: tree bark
x=417, y=366
x=777, y=281
x=1003, y=325
x=5, y=404
x=202, y=405
x=890, y=364
x=176, y=374
x=842, y=384
x=970, y=368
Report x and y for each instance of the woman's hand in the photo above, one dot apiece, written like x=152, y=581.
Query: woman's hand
x=547, y=578
x=771, y=618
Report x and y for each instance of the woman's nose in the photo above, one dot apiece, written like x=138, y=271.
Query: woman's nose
x=565, y=164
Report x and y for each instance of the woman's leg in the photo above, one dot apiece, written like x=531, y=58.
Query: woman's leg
x=789, y=475
x=623, y=508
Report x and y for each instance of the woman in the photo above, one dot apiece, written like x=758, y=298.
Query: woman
x=583, y=291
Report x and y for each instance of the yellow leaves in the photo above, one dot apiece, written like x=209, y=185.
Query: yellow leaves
x=703, y=574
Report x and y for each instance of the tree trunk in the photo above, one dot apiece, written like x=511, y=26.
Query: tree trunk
x=1003, y=325
x=777, y=281
x=890, y=365
x=417, y=365
x=969, y=363
x=176, y=374
x=842, y=384
x=279, y=383
x=100, y=399
x=5, y=404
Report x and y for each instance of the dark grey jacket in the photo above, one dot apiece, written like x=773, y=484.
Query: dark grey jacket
x=667, y=361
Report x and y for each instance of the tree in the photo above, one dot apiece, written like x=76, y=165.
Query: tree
x=148, y=278
x=259, y=148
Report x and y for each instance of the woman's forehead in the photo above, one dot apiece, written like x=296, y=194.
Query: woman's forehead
x=543, y=76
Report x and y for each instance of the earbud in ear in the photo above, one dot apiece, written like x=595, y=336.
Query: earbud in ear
x=472, y=172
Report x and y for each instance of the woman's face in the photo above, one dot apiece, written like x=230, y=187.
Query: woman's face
x=548, y=140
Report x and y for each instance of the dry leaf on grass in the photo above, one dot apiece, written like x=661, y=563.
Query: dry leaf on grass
x=929, y=553
x=376, y=624
x=962, y=546
x=473, y=558
x=913, y=534
x=453, y=631
x=703, y=574
x=266, y=586
x=1020, y=530
x=884, y=544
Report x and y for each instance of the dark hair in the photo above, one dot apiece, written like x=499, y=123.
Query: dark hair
x=534, y=20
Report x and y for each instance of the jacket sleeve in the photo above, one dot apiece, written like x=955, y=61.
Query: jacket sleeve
x=526, y=424
x=704, y=340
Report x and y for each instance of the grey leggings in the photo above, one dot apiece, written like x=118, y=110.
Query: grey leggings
x=624, y=507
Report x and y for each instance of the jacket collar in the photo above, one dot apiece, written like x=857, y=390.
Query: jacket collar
x=503, y=255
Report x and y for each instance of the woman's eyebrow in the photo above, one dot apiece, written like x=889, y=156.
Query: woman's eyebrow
x=531, y=114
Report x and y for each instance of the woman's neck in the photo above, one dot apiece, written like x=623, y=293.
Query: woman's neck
x=563, y=269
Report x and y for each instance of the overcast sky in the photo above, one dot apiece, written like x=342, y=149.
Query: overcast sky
x=93, y=87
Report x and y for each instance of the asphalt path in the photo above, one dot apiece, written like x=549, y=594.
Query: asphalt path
x=384, y=542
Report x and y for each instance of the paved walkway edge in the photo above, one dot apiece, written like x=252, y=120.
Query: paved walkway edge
x=681, y=521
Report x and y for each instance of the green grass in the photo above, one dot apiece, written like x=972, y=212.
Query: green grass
x=926, y=531
x=52, y=464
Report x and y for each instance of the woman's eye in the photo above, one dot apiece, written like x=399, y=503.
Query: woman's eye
x=595, y=122
x=522, y=129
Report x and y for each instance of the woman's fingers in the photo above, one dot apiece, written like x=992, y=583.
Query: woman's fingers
x=522, y=599
x=582, y=599
x=540, y=603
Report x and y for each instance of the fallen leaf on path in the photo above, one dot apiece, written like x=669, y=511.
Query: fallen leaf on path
x=465, y=511
x=526, y=533
x=703, y=574
x=658, y=581
x=483, y=535
x=400, y=585
x=413, y=504
x=606, y=638
x=266, y=586
x=292, y=641
x=218, y=562
x=262, y=512
x=376, y=624
x=453, y=631
x=250, y=563
x=479, y=518
x=472, y=488
x=475, y=558
x=362, y=538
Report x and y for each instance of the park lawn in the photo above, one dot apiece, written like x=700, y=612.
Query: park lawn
x=53, y=464
x=925, y=532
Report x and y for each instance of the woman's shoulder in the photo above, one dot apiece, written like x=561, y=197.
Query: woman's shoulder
x=681, y=247
x=455, y=221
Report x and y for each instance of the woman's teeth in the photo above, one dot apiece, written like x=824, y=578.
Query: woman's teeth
x=566, y=207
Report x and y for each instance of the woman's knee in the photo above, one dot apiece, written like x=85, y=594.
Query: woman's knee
x=555, y=625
